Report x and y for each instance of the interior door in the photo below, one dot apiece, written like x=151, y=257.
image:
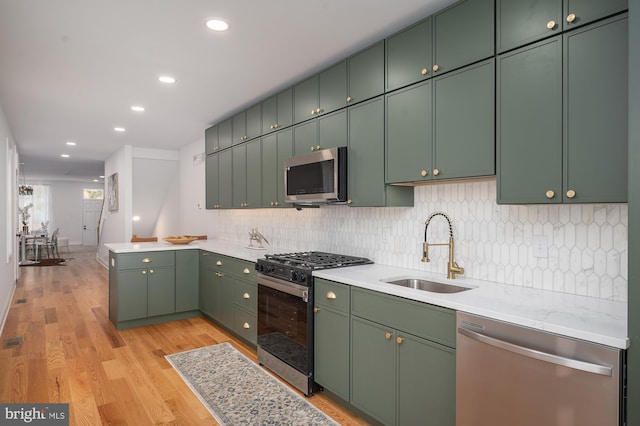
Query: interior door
x=91, y=216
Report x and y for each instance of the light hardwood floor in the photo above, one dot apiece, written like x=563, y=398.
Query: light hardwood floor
x=71, y=353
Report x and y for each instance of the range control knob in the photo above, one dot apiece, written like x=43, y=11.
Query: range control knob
x=302, y=277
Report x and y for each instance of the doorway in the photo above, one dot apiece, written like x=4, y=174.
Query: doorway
x=91, y=216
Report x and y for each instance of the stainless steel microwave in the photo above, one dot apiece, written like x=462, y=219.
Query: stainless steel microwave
x=319, y=177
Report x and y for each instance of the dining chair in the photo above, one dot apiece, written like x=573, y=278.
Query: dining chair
x=51, y=245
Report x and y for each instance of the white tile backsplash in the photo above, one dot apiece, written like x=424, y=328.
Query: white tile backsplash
x=586, y=244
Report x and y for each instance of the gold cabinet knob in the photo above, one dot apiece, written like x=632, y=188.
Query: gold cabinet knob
x=146, y=260
x=571, y=193
x=387, y=335
x=246, y=271
x=331, y=295
x=275, y=126
x=349, y=201
x=436, y=172
x=349, y=98
x=271, y=127
x=205, y=253
x=246, y=326
x=272, y=203
x=144, y=272
x=246, y=296
x=276, y=203
x=151, y=271
x=424, y=71
x=551, y=24
x=313, y=112
x=315, y=309
x=571, y=17
x=424, y=173
x=435, y=68
x=550, y=194
x=399, y=340
x=218, y=263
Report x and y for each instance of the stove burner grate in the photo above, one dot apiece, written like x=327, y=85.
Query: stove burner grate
x=316, y=260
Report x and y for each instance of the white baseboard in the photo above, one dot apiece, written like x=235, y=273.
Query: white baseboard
x=7, y=307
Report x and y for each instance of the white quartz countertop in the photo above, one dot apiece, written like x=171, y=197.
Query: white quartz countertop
x=581, y=317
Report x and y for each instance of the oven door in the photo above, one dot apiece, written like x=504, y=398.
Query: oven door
x=284, y=323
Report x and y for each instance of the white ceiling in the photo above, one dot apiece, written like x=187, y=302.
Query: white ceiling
x=70, y=70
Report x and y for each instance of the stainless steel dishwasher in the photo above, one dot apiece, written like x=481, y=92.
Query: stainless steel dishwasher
x=509, y=375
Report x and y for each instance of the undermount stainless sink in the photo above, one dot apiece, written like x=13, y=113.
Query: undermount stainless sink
x=426, y=285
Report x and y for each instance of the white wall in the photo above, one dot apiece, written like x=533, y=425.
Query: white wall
x=585, y=251
x=8, y=211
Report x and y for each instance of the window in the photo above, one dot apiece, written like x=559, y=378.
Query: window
x=93, y=194
x=35, y=209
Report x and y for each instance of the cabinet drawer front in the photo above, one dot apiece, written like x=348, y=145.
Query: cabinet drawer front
x=145, y=259
x=245, y=294
x=420, y=319
x=245, y=324
x=332, y=294
x=243, y=269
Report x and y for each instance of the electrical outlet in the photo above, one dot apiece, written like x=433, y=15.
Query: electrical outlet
x=540, y=246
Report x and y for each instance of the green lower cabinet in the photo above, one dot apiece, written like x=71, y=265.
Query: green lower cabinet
x=132, y=297
x=331, y=362
x=162, y=290
x=208, y=294
x=245, y=324
x=187, y=279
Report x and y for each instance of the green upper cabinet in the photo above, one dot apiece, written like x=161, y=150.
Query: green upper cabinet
x=408, y=56
x=409, y=134
x=562, y=135
x=247, y=125
x=321, y=94
x=462, y=34
x=277, y=111
x=239, y=173
x=366, y=74
x=525, y=21
x=254, y=174
x=211, y=140
x=212, y=194
x=366, y=178
x=275, y=148
x=225, y=179
x=464, y=122
x=328, y=131
x=596, y=113
x=225, y=134
x=580, y=12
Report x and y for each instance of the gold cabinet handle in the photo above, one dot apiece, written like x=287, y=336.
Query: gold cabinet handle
x=424, y=71
x=436, y=172
x=275, y=126
x=435, y=68
x=246, y=271
x=205, y=253
x=331, y=295
x=387, y=335
x=349, y=99
x=315, y=309
x=276, y=203
x=571, y=193
x=551, y=24
x=571, y=17
x=218, y=263
x=424, y=173
x=349, y=201
x=272, y=203
x=313, y=112
x=151, y=271
x=246, y=325
x=319, y=110
x=550, y=194
x=246, y=296
x=399, y=340
x=144, y=272
x=271, y=127
x=146, y=260
x=219, y=274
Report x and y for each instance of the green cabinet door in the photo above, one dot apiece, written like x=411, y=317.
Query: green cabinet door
x=277, y=111
x=462, y=34
x=132, y=294
x=211, y=140
x=426, y=389
x=162, y=290
x=207, y=294
x=464, y=122
x=332, y=130
x=305, y=137
x=187, y=280
x=529, y=124
x=595, y=113
x=225, y=133
x=224, y=283
x=269, y=169
x=239, y=128
x=254, y=174
x=285, y=150
x=373, y=369
x=408, y=55
x=366, y=159
x=305, y=99
x=269, y=114
x=211, y=181
x=239, y=180
x=225, y=179
x=580, y=12
x=253, y=123
x=366, y=74
x=525, y=21
x=332, y=88
x=331, y=360
x=409, y=134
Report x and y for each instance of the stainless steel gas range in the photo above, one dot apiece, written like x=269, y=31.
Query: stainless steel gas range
x=285, y=312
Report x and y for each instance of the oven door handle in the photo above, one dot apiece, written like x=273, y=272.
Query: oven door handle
x=284, y=286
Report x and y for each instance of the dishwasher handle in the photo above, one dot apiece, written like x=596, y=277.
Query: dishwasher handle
x=602, y=370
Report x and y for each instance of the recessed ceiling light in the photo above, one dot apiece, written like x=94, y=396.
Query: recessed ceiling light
x=136, y=218
x=101, y=177
x=96, y=180
x=64, y=155
x=71, y=143
x=119, y=129
x=167, y=79
x=137, y=108
x=217, y=24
